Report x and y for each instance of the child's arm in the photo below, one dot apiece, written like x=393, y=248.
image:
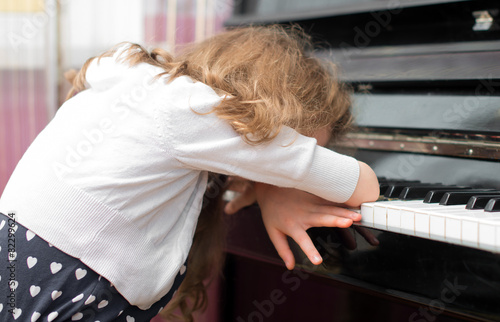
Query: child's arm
x=290, y=212
x=367, y=188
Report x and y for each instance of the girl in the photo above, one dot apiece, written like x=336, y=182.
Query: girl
x=100, y=213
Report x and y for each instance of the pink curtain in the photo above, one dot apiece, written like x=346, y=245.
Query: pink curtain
x=23, y=114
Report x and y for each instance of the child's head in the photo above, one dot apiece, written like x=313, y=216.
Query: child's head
x=270, y=76
x=273, y=80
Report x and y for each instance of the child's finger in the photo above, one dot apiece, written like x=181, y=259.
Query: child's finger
x=240, y=201
x=305, y=243
x=340, y=212
x=325, y=220
x=238, y=184
x=282, y=247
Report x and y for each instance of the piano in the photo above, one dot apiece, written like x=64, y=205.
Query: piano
x=426, y=80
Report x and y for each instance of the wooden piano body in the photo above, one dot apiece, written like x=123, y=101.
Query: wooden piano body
x=426, y=76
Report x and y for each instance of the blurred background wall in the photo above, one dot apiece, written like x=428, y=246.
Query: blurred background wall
x=40, y=39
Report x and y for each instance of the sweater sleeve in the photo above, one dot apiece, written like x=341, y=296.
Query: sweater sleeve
x=203, y=141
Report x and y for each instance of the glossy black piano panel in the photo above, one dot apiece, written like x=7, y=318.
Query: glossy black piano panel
x=404, y=278
x=430, y=272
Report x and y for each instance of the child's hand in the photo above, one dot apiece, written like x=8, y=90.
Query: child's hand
x=70, y=75
x=290, y=212
x=245, y=197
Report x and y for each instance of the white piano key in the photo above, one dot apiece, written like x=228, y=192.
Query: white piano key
x=367, y=213
x=497, y=238
x=408, y=221
x=461, y=226
x=453, y=224
x=436, y=227
x=423, y=220
x=453, y=231
x=395, y=214
x=489, y=234
x=422, y=224
x=470, y=226
x=379, y=217
x=405, y=217
x=394, y=219
x=453, y=227
x=437, y=221
x=380, y=212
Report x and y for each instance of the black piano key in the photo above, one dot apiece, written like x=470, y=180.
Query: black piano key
x=419, y=192
x=383, y=188
x=493, y=205
x=461, y=197
x=384, y=185
x=479, y=202
x=394, y=190
x=435, y=196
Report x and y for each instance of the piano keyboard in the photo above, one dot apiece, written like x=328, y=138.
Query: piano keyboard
x=461, y=215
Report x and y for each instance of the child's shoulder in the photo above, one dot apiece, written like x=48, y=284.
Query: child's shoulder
x=185, y=92
x=113, y=68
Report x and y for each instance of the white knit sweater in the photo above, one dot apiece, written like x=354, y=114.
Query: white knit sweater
x=118, y=176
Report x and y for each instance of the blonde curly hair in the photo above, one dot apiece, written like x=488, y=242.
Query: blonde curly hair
x=270, y=79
